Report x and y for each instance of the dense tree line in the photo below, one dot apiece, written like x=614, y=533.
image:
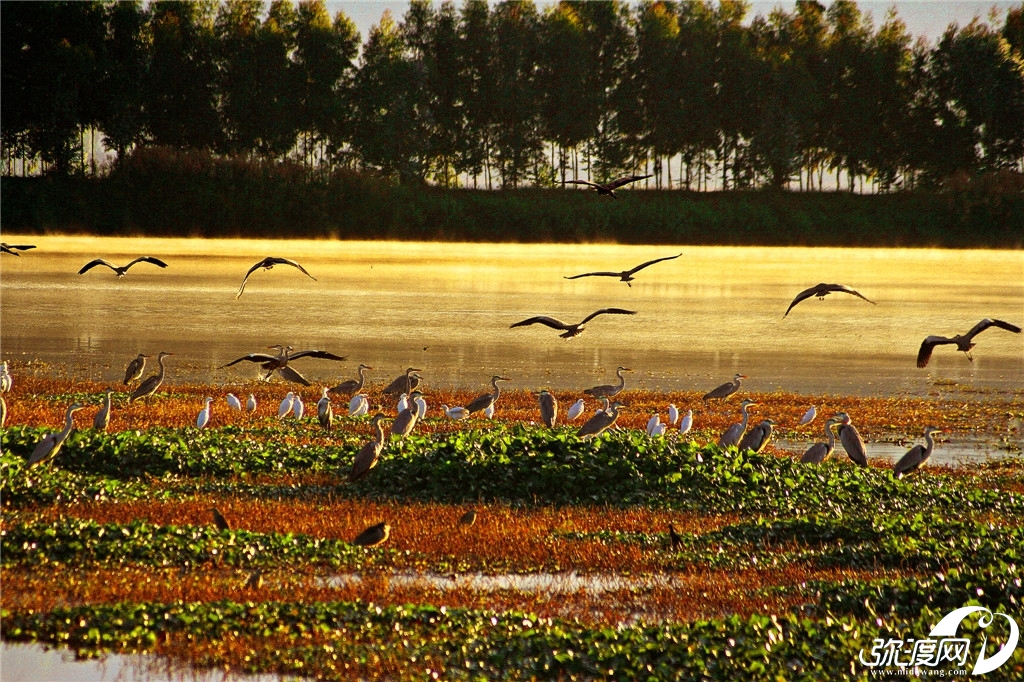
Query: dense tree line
x=694, y=92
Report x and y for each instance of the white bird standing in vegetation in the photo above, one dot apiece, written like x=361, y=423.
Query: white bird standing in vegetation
x=286, y=406
x=653, y=424
x=421, y=407
x=233, y=402
x=204, y=415
x=298, y=407
x=403, y=403
x=809, y=415
x=250, y=404
x=455, y=413
x=358, y=405
x=673, y=414
x=576, y=410
x=686, y=424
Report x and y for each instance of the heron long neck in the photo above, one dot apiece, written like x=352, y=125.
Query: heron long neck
x=831, y=436
x=359, y=384
x=69, y=423
x=379, y=423
x=745, y=417
x=160, y=361
x=622, y=379
x=930, y=443
x=497, y=390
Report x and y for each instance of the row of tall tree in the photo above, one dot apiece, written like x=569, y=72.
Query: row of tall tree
x=696, y=92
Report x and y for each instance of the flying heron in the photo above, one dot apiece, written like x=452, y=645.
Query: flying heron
x=121, y=270
x=570, y=330
x=548, y=408
x=324, y=411
x=821, y=291
x=51, y=443
x=963, y=342
x=151, y=383
x=369, y=454
x=102, y=418
x=14, y=248
x=725, y=390
x=817, y=453
x=280, y=362
x=373, y=536
x=352, y=386
x=204, y=415
x=482, y=402
x=610, y=390
x=608, y=187
x=851, y=440
x=917, y=455
x=406, y=420
x=404, y=383
x=756, y=438
x=733, y=434
x=219, y=520
x=135, y=369
x=600, y=422
x=626, y=275
x=267, y=264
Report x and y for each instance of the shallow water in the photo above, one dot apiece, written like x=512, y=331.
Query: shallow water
x=951, y=452
x=37, y=662
x=552, y=583
x=446, y=308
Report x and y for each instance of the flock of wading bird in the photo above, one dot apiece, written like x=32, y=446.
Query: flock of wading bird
x=412, y=407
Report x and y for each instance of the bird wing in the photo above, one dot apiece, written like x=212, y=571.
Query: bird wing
x=345, y=387
x=925, y=354
x=542, y=319
x=853, y=444
x=147, y=259
x=596, y=274
x=909, y=461
x=289, y=374
x=988, y=322
x=625, y=181
x=847, y=290
x=43, y=448
x=286, y=261
x=262, y=264
x=651, y=262
x=91, y=264
x=322, y=354
x=582, y=182
x=802, y=296
x=481, y=402
x=251, y=357
x=815, y=454
x=609, y=311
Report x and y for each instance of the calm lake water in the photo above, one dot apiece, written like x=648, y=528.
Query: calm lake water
x=446, y=308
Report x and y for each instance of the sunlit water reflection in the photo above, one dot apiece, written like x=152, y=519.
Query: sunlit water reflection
x=447, y=308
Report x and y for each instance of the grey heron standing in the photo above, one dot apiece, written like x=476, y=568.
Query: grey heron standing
x=756, y=438
x=135, y=369
x=917, y=455
x=406, y=420
x=352, y=386
x=324, y=411
x=482, y=402
x=601, y=421
x=548, y=408
x=733, y=434
x=817, y=453
x=610, y=390
x=50, y=445
x=725, y=390
x=102, y=418
x=369, y=454
x=152, y=383
x=403, y=384
x=851, y=440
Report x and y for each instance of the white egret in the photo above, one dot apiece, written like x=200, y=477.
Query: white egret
x=358, y=405
x=204, y=415
x=421, y=407
x=286, y=406
x=250, y=404
x=673, y=414
x=576, y=410
x=687, y=423
x=455, y=412
x=403, y=403
x=233, y=402
x=298, y=407
x=809, y=415
x=652, y=424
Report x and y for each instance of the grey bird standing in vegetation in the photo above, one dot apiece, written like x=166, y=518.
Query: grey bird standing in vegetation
x=851, y=440
x=482, y=402
x=917, y=455
x=324, y=411
x=608, y=187
x=352, y=385
x=102, y=418
x=280, y=362
x=601, y=421
x=369, y=454
x=121, y=270
x=817, y=453
x=406, y=420
x=821, y=291
x=610, y=390
x=571, y=330
x=756, y=438
x=14, y=248
x=152, y=383
x=673, y=534
x=404, y=383
x=725, y=390
x=548, y=408
x=51, y=443
x=733, y=434
x=135, y=369
x=468, y=519
x=219, y=520
x=964, y=342
x=626, y=275
x=267, y=264
x=373, y=536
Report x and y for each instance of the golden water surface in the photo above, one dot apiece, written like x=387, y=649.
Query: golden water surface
x=446, y=308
